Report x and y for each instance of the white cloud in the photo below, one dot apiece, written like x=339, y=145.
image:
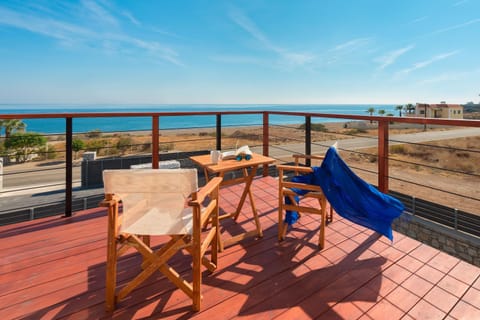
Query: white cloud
x=459, y=3
x=131, y=18
x=71, y=34
x=98, y=13
x=457, y=26
x=352, y=44
x=448, y=77
x=418, y=20
x=392, y=56
x=289, y=58
x=425, y=63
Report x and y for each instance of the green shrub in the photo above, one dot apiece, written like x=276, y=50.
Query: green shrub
x=398, y=148
x=94, y=133
x=124, y=143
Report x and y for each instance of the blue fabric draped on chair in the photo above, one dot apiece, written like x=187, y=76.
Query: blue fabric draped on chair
x=350, y=196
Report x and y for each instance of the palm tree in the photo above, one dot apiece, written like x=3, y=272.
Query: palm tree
x=381, y=112
x=12, y=125
x=371, y=111
x=410, y=107
x=399, y=108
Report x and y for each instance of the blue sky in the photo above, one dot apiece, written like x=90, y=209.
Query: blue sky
x=262, y=51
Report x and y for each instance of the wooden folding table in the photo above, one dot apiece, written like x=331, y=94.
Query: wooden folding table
x=249, y=170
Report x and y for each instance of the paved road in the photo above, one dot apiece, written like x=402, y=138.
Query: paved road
x=360, y=143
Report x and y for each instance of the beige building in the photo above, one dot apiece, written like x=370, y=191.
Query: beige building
x=440, y=110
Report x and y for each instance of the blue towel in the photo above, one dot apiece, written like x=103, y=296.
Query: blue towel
x=350, y=196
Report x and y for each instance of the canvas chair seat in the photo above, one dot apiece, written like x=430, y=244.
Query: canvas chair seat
x=160, y=202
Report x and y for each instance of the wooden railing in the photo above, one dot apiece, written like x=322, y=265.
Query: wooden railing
x=383, y=134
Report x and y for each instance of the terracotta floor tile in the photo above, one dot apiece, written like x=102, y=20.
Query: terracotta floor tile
x=348, y=245
x=364, y=317
x=402, y=298
x=383, y=308
x=382, y=285
x=441, y=299
x=410, y=263
x=443, y=262
x=360, y=238
x=472, y=296
x=430, y=274
x=424, y=253
x=407, y=245
x=476, y=284
x=397, y=273
x=425, y=311
x=349, y=231
x=392, y=254
x=465, y=311
x=333, y=254
x=465, y=272
x=341, y=310
x=417, y=285
x=452, y=285
x=334, y=237
x=364, y=298
x=408, y=317
x=379, y=247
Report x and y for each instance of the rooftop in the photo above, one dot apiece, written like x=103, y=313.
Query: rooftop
x=55, y=268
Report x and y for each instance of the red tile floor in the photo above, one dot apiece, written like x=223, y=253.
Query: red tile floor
x=54, y=268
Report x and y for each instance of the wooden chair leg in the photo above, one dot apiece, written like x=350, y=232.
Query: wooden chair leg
x=321, y=236
x=111, y=268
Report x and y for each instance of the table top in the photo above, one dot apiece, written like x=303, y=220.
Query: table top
x=231, y=164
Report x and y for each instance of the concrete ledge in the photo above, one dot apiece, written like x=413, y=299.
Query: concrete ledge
x=448, y=240
x=169, y=164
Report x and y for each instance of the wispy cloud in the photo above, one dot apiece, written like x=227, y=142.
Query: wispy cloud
x=99, y=13
x=289, y=57
x=352, y=44
x=418, y=20
x=459, y=3
x=131, y=18
x=428, y=62
x=392, y=56
x=71, y=34
x=338, y=53
x=449, y=77
x=457, y=26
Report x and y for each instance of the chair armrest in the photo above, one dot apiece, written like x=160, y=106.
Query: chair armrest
x=110, y=199
x=200, y=195
x=284, y=167
x=305, y=156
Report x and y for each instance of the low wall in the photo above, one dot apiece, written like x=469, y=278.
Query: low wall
x=448, y=240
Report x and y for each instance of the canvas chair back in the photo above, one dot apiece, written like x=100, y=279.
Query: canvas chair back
x=154, y=200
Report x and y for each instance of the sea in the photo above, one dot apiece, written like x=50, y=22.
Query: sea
x=57, y=126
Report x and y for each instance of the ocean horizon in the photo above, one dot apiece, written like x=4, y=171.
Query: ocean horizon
x=54, y=126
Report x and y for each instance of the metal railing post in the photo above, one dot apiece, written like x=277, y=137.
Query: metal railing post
x=383, y=156
x=266, y=139
x=414, y=205
x=68, y=166
x=155, y=141
x=308, y=139
x=455, y=217
x=218, y=132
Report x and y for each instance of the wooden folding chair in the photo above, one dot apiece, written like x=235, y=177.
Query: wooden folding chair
x=286, y=189
x=156, y=202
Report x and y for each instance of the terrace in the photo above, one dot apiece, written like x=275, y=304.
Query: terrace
x=54, y=267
